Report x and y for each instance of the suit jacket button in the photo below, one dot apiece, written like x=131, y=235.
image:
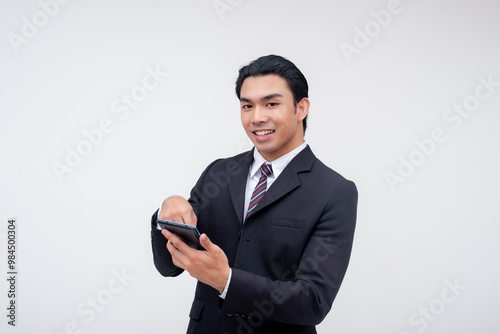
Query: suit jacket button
x=230, y=315
x=238, y=235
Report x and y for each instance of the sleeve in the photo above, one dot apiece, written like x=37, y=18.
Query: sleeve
x=161, y=256
x=305, y=294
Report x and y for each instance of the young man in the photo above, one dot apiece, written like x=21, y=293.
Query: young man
x=277, y=224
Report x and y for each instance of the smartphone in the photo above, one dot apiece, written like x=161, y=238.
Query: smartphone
x=187, y=233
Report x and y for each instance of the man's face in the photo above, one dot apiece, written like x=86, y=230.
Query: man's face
x=271, y=120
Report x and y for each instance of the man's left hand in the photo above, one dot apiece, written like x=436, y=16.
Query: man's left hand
x=209, y=266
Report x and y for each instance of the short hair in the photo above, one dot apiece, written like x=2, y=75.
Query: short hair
x=273, y=64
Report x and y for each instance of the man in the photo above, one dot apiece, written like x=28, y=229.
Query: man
x=277, y=224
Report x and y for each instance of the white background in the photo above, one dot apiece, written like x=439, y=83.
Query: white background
x=440, y=225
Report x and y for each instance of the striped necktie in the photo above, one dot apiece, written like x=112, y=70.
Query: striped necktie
x=260, y=188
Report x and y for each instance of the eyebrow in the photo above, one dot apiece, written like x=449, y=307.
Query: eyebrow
x=265, y=98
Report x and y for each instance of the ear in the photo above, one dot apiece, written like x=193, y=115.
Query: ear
x=303, y=109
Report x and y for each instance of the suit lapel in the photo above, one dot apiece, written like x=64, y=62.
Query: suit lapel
x=288, y=180
x=238, y=182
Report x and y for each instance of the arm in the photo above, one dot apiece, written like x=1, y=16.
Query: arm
x=177, y=209
x=209, y=266
x=303, y=295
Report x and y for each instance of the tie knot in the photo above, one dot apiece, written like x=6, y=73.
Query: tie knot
x=266, y=169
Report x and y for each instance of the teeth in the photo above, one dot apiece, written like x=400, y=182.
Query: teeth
x=263, y=132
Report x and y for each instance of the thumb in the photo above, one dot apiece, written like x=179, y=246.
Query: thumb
x=205, y=242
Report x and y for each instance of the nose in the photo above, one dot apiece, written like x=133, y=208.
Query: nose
x=259, y=115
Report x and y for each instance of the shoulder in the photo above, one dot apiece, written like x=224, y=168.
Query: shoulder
x=331, y=179
x=329, y=173
x=231, y=166
x=230, y=162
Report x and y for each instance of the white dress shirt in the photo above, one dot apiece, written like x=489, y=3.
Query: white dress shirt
x=278, y=166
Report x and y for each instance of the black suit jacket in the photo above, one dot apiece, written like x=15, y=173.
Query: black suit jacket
x=288, y=258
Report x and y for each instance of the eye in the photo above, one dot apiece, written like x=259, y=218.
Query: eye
x=272, y=104
x=246, y=106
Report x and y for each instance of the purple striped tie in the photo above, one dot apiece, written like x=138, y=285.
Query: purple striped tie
x=260, y=188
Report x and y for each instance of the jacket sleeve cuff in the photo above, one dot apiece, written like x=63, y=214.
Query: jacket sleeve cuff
x=224, y=293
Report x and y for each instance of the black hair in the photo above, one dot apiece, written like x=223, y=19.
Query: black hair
x=273, y=64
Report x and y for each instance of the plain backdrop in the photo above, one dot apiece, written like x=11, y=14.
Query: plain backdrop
x=384, y=76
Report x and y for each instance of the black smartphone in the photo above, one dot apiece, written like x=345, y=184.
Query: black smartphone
x=187, y=233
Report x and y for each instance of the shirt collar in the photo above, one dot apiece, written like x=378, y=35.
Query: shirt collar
x=278, y=164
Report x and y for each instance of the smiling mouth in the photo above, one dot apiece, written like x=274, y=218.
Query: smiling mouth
x=263, y=132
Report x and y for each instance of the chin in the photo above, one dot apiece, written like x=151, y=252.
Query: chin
x=264, y=149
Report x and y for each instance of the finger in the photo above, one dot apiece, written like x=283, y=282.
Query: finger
x=170, y=244
x=188, y=219
x=178, y=209
x=207, y=243
x=178, y=258
x=193, y=219
x=170, y=236
x=176, y=242
x=166, y=233
x=173, y=218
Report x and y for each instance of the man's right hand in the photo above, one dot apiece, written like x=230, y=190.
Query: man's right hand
x=179, y=210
